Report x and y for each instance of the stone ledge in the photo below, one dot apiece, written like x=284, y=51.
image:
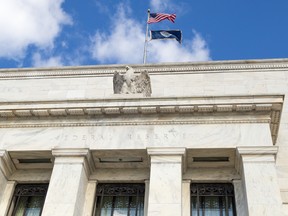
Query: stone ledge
x=163, y=69
x=44, y=114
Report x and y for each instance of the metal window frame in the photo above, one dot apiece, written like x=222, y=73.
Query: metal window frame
x=27, y=190
x=119, y=189
x=200, y=190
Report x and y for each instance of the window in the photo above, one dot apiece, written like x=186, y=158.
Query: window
x=28, y=200
x=212, y=200
x=120, y=199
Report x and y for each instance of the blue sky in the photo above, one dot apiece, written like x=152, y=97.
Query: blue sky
x=48, y=33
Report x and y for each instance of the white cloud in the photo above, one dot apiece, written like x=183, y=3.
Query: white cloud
x=170, y=51
x=124, y=44
x=39, y=61
x=29, y=22
x=161, y=5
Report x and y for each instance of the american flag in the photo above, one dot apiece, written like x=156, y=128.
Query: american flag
x=158, y=17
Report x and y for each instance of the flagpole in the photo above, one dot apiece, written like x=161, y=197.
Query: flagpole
x=146, y=39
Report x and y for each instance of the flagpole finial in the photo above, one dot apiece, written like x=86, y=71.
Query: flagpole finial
x=148, y=10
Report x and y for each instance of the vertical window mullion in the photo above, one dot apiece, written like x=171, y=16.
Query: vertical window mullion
x=136, y=208
x=220, y=200
x=113, y=205
x=198, y=202
x=226, y=206
x=101, y=201
x=27, y=203
x=129, y=204
x=203, y=206
x=16, y=205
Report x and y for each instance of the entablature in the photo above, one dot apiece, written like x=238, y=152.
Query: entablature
x=145, y=111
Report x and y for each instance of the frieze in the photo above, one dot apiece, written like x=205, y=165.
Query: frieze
x=129, y=136
x=130, y=123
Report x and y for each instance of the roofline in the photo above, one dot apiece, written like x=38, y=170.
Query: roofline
x=226, y=66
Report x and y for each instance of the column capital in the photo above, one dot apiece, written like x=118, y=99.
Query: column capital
x=168, y=155
x=70, y=152
x=6, y=164
x=74, y=155
x=257, y=153
x=254, y=154
x=166, y=151
x=257, y=150
x=186, y=181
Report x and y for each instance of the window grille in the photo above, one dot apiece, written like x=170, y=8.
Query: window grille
x=212, y=200
x=28, y=199
x=120, y=199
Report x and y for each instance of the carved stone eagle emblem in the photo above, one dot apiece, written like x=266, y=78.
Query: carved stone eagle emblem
x=130, y=83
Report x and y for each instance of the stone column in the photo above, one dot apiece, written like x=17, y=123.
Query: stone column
x=147, y=183
x=260, y=180
x=6, y=187
x=240, y=198
x=68, y=183
x=90, y=198
x=186, y=197
x=165, y=189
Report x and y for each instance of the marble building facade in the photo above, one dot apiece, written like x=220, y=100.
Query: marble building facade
x=214, y=123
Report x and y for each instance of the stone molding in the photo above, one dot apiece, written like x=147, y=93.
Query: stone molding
x=80, y=155
x=257, y=150
x=6, y=164
x=83, y=113
x=163, y=69
x=254, y=154
x=168, y=151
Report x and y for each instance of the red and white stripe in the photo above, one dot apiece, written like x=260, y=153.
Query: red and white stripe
x=160, y=16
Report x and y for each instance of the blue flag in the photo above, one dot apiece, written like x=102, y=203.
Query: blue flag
x=169, y=34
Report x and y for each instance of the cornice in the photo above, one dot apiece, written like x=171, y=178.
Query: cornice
x=208, y=110
x=163, y=69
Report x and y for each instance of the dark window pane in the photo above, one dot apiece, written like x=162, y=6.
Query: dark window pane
x=140, y=206
x=230, y=206
x=28, y=200
x=20, y=209
x=120, y=199
x=121, y=206
x=212, y=200
x=194, y=206
x=106, y=206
